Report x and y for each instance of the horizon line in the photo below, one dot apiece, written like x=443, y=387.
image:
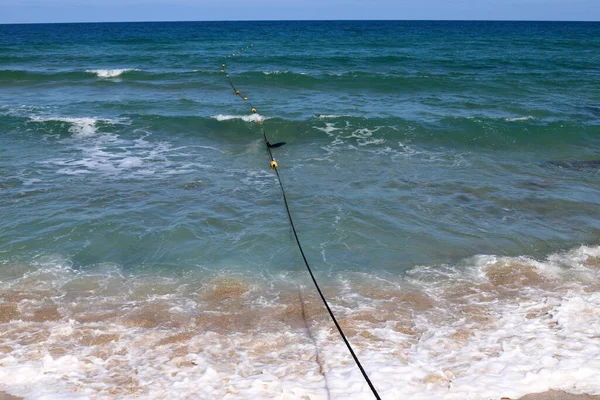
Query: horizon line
x=300, y=20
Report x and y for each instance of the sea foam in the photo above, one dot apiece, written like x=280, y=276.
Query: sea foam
x=515, y=119
x=247, y=118
x=110, y=73
x=487, y=328
x=80, y=127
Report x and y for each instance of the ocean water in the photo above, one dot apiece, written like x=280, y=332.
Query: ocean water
x=443, y=177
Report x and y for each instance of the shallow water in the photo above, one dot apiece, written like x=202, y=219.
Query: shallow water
x=442, y=176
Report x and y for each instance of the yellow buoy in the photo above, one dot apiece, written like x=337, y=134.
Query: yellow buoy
x=253, y=110
x=245, y=98
x=274, y=164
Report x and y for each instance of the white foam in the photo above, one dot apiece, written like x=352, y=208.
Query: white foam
x=131, y=162
x=80, y=127
x=248, y=118
x=137, y=157
x=95, y=158
x=275, y=72
x=344, y=137
x=483, y=333
x=110, y=73
x=325, y=116
x=22, y=110
x=329, y=128
x=372, y=141
x=106, y=153
x=514, y=119
x=531, y=341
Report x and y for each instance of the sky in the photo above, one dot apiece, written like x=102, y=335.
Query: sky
x=33, y=11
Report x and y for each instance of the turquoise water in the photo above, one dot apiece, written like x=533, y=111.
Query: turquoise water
x=412, y=148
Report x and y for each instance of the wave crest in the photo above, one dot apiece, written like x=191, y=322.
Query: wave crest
x=247, y=118
x=110, y=73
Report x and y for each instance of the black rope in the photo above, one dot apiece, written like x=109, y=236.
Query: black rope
x=275, y=166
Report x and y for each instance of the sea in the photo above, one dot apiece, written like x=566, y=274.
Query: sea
x=443, y=178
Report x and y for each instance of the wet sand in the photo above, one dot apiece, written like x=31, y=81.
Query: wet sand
x=557, y=395
x=6, y=396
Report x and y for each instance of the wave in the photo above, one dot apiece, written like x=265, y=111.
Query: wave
x=488, y=327
x=469, y=132
x=80, y=127
x=388, y=82
x=29, y=75
x=248, y=118
x=278, y=72
x=325, y=116
x=514, y=119
x=306, y=78
x=132, y=74
x=15, y=76
x=110, y=73
x=84, y=127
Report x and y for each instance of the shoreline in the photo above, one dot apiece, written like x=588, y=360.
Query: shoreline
x=461, y=335
x=548, y=395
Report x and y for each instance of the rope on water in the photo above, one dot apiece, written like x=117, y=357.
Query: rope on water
x=275, y=166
